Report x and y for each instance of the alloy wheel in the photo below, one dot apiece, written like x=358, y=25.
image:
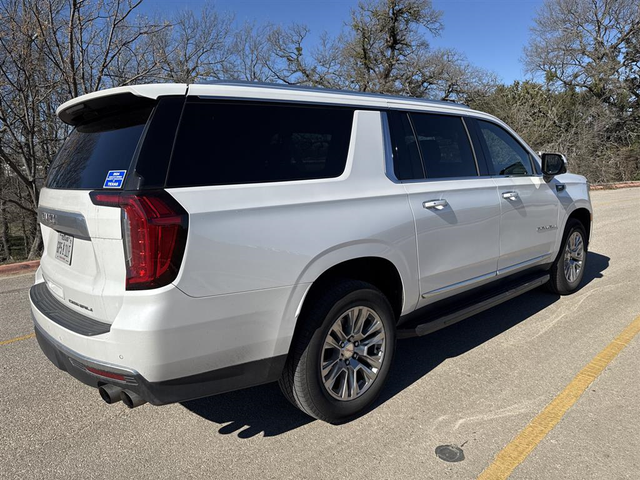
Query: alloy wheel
x=573, y=257
x=352, y=354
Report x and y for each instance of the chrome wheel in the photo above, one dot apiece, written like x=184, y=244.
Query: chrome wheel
x=353, y=353
x=573, y=257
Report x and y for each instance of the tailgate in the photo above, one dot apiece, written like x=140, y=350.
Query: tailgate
x=83, y=259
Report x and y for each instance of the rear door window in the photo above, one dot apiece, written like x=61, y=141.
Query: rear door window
x=445, y=146
x=93, y=149
x=236, y=143
x=407, y=164
x=506, y=155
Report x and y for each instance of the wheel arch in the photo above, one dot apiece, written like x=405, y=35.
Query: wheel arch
x=583, y=215
x=380, y=272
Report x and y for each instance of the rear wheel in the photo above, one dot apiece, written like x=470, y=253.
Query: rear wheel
x=341, y=354
x=568, y=269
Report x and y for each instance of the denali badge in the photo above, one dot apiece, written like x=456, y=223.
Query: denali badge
x=547, y=227
x=80, y=305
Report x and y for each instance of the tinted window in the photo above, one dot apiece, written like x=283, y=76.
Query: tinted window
x=95, y=148
x=155, y=151
x=407, y=164
x=506, y=155
x=444, y=144
x=221, y=144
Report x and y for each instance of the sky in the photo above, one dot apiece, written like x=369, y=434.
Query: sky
x=491, y=33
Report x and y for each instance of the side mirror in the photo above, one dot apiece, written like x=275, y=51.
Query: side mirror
x=553, y=164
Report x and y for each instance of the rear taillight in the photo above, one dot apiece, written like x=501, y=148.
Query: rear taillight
x=154, y=232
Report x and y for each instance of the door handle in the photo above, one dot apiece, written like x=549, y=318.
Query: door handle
x=437, y=204
x=513, y=196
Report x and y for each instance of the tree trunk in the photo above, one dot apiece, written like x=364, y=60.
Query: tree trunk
x=25, y=237
x=5, y=253
x=36, y=247
x=36, y=243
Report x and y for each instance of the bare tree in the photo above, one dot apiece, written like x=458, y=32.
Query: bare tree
x=585, y=44
x=589, y=49
x=387, y=42
x=383, y=48
x=195, y=46
x=50, y=51
x=289, y=63
x=251, y=54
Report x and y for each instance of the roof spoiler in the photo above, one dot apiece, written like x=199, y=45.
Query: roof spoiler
x=93, y=105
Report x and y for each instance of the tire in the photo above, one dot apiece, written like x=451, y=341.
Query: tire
x=562, y=282
x=325, y=318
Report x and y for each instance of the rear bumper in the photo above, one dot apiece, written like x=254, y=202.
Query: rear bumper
x=62, y=315
x=165, y=335
x=160, y=393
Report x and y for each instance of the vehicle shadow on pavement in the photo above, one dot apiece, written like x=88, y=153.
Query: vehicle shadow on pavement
x=263, y=409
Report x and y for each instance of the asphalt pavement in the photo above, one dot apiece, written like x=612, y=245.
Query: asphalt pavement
x=473, y=387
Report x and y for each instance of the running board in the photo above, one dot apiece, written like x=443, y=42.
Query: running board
x=434, y=324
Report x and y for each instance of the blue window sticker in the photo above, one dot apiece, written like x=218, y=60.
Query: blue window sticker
x=114, y=179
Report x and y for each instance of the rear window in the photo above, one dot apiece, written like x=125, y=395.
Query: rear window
x=444, y=143
x=233, y=143
x=95, y=148
x=407, y=164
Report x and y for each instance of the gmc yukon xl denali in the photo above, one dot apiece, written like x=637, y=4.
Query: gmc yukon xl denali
x=205, y=238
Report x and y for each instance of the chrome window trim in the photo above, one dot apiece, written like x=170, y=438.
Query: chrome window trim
x=445, y=179
x=517, y=176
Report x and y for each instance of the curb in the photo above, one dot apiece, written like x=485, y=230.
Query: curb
x=614, y=186
x=20, y=267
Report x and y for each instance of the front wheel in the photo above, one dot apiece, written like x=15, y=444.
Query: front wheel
x=568, y=269
x=341, y=354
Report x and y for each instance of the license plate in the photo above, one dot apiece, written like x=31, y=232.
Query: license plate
x=64, y=248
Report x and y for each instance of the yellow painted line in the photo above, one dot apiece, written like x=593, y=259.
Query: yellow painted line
x=523, y=444
x=17, y=339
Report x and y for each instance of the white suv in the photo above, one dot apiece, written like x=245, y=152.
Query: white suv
x=205, y=238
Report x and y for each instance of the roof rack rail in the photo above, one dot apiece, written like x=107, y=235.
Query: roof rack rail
x=307, y=88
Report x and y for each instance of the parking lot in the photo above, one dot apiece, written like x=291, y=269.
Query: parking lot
x=475, y=385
